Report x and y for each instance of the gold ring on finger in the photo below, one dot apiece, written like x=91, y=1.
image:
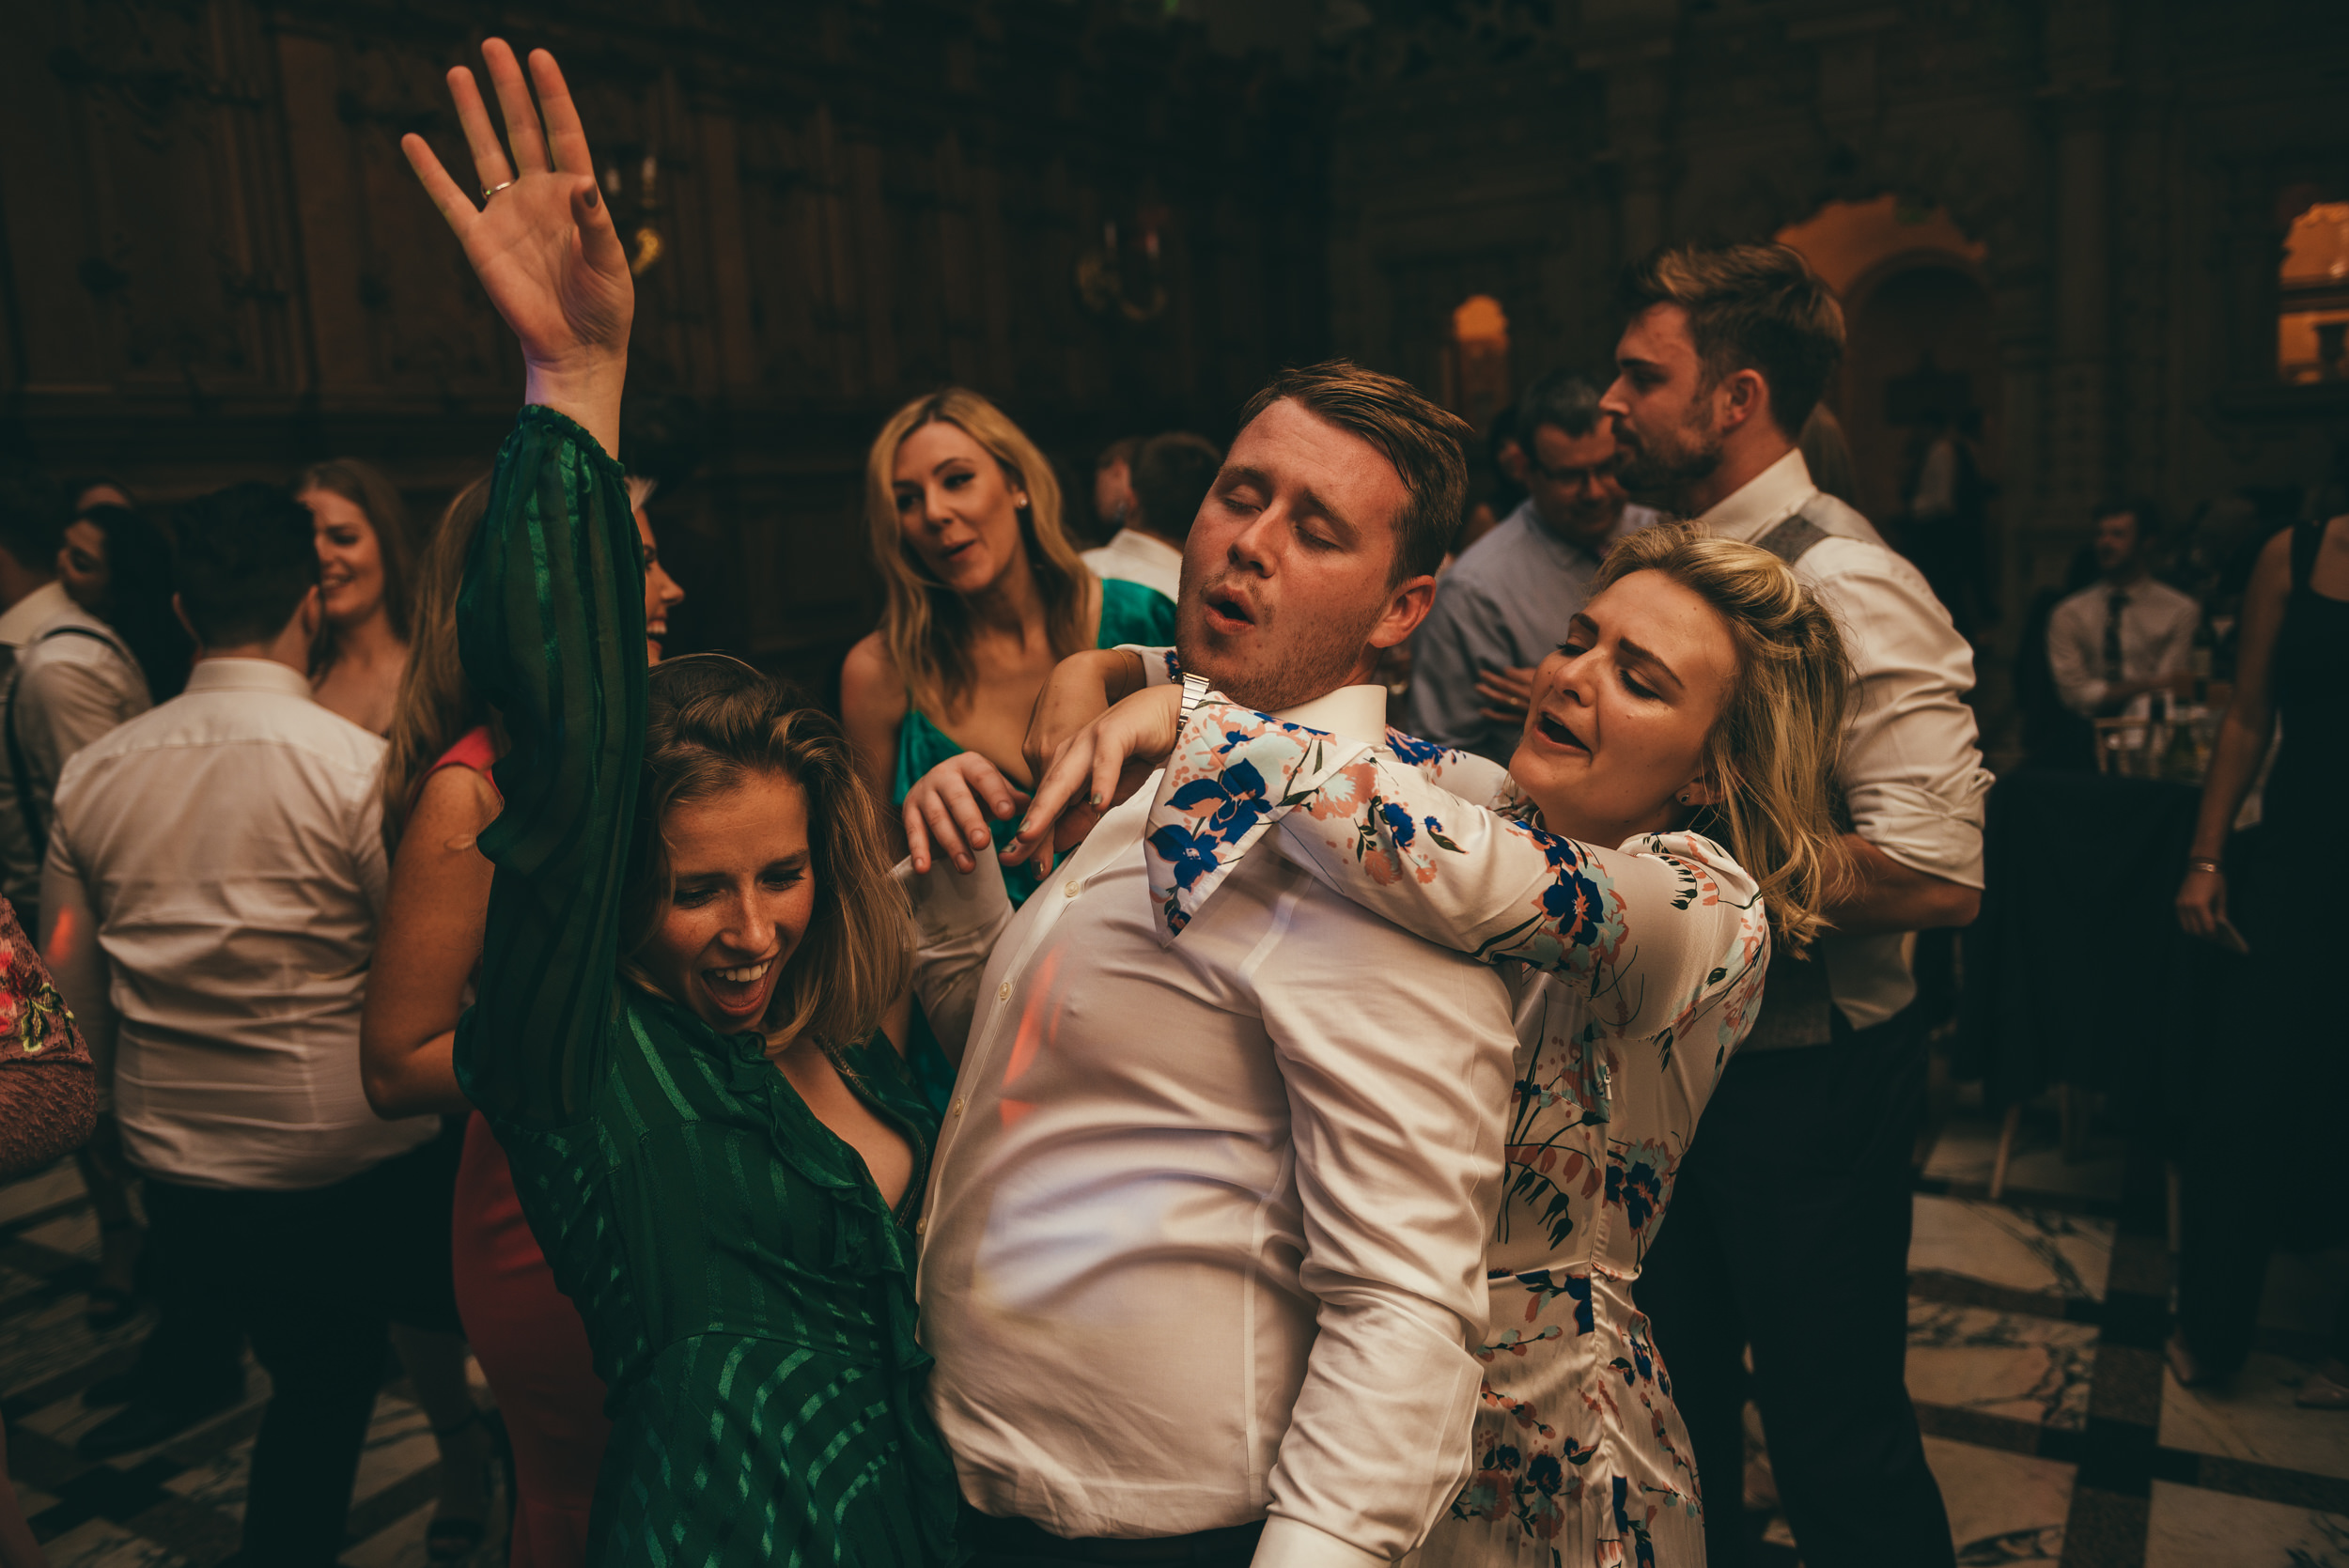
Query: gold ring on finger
x=489, y=191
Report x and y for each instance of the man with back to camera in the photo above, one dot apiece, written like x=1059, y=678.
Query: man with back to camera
x=1507, y=600
x=1205, y=1241
x=1171, y=474
x=214, y=879
x=2115, y=643
x=1791, y=1216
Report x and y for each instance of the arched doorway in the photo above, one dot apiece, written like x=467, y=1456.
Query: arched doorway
x=1476, y=360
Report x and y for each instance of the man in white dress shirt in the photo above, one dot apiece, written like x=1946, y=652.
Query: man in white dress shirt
x=1171, y=476
x=1791, y=1216
x=1206, y=1222
x=2115, y=643
x=215, y=875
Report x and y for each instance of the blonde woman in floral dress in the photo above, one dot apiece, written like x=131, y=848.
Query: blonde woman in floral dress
x=1701, y=686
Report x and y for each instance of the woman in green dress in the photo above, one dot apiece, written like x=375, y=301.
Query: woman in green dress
x=692, y=936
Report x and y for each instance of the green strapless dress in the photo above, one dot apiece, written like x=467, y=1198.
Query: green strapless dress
x=747, y=1292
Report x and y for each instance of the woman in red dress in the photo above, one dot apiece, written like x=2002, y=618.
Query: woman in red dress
x=438, y=795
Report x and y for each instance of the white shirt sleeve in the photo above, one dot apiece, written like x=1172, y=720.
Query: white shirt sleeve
x=957, y=916
x=1398, y=1161
x=1911, y=770
x=62, y=704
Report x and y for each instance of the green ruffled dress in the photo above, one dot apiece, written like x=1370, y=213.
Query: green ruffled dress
x=748, y=1293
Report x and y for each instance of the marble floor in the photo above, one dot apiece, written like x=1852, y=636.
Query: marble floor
x=178, y=1504
x=2034, y=1331
x=2035, y=1327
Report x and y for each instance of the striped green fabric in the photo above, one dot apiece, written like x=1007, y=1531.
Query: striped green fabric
x=748, y=1293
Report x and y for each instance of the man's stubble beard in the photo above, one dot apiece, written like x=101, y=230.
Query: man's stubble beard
x=1323, y=658
x=1666, y=479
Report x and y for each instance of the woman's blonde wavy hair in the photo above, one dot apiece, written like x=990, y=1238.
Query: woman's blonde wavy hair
x=437, y=705
x=711, y=721
x=1772, y=754
x=925, y=625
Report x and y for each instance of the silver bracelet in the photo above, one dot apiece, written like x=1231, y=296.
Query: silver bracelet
x=1194, y=692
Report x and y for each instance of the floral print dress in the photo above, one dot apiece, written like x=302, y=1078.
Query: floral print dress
x=1635, y=972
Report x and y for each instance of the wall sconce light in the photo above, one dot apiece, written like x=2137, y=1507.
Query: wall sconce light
x=645, y=248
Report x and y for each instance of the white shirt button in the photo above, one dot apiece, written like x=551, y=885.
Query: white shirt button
x=922, y=1226
x=956, y=1108
x=1002, y=992
x=1073, y=888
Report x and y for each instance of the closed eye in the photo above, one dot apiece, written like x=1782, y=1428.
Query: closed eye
x=1636, y=689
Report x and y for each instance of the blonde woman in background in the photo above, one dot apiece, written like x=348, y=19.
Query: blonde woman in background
x=367, y=557
x=986, y=593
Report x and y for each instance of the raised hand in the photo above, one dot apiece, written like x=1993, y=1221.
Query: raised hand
x=541, y=242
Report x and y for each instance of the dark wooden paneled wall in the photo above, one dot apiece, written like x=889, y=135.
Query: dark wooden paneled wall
x=217, y=264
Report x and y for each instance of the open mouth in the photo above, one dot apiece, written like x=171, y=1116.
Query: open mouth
x=740, y=988
x=954, y=552
x=1226, y=611
x=1557, y=735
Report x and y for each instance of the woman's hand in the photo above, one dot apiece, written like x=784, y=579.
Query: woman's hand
x=1105, y=761
x=942, y=809
x=2203, y=909
x=1508, y=691
x=543, y=243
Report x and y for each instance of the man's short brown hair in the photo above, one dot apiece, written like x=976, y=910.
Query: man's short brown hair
x=1750, y=307
x=1426, y=444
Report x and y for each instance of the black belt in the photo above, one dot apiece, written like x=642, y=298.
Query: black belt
x=990, y=1536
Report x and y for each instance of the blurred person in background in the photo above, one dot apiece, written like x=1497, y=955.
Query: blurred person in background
x=100, y=490
x=216, y=872
x=1171, y=476
x=1113, y=485
x=1505, y=459
x=365, y=557
x=2252, y=890
x=112, y=651
x=1508, y=600
x=2116, y=641
x=1943, y=532
x=438, y=799
x=33, y=514
x=1827, y=452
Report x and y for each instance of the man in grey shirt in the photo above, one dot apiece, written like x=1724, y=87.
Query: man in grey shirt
x=1505, y=602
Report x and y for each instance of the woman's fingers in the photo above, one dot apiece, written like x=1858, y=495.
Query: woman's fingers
x=917, y=835
x=1071, y=769
x=521, y=115
x=944, y=833
x=567, y=139
x=481, y=137
x=454, y=204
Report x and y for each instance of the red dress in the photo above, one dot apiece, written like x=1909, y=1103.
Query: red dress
x=525, y=1333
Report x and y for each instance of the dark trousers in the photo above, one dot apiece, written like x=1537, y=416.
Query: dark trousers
x=1000, y=1542
x=300, y=1273
x=1789, y=1232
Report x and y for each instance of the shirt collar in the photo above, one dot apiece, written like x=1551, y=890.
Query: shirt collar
x=1771, y=497
x=247, y=674
x=33, y=612
x=1134, y=541
x=1356, y=712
